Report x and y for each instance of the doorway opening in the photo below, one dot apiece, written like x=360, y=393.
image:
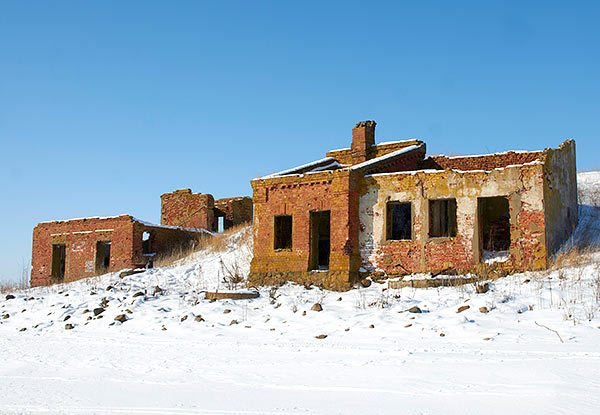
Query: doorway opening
x=102, y=256
x=494, y=226
x=320, y=240
x=58, y=262
x=146, y=243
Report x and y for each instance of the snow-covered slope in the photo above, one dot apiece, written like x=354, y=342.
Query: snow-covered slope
x=533, y=349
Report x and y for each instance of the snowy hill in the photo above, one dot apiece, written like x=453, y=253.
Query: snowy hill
x=528, y=345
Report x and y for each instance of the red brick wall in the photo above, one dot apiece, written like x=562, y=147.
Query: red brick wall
x=80, y=237
x=363, y=138
x=344, y=156
x=187, y=210
x=405, y=162
x=297, y=196
x=235, y=210
x=162, y=240
x=485, y=162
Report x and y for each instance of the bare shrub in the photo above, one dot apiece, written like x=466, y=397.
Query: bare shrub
x=232, y=274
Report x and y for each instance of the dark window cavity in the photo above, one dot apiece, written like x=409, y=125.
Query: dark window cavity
x=442, y=218
x=399, y=221
x=283, y=232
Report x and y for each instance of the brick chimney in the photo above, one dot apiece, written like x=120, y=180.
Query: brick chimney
x=363, y=137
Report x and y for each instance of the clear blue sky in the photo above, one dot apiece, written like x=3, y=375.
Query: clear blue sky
x=106, y=105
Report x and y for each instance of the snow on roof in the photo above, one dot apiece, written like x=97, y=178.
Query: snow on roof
x=154, y=225
x=531, y=163
x=385, y=157
x=396, y=142
x=90, y=217
x=316, y=163
x=488, y=155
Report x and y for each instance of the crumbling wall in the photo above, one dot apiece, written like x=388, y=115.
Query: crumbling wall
x=234, y=210
x=80, y=238
x=344, y=155
x=522, y=185
x=298, y=195
x=162, y=240
x=185, y=209
x=560, y=194
x=484, y=162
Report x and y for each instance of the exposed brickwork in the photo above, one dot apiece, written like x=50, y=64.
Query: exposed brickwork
x=484, y=162
x=462, y=252
x=81, y=237
x=184, y=217
x=200, y=211
x=188, y=210
x=298, y=196
x=357, y=200
x=363, y=138
x=234, y=210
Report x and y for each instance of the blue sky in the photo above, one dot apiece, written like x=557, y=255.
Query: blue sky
x=107, y=105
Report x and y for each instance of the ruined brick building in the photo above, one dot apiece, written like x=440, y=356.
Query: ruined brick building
x=68, y=250
x=388, y=208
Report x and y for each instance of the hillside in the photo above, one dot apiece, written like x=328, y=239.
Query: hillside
x=533, y=348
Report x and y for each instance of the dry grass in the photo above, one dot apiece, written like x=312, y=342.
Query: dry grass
x=574, y=255
x=220, y=241
x=21, y=284
x=9, y=286
x=177, y=252
x=584, y=242
x=215, y=243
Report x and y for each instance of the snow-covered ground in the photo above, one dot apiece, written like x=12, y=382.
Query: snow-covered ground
x=535, y=350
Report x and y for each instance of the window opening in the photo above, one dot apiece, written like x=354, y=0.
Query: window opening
x=399, y=221
x=283, y=232
x=442, y=218
x=146, y=243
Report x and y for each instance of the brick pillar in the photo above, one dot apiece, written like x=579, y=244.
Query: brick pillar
x=344, y=231
x=363, y=137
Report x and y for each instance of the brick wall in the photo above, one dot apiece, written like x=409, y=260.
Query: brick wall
x=162, y=240
x=80, y=237
x=187, y=210
x=521, y=185
x=484, y=162
x=336, y=191
x=344, y=156
x=234, y=210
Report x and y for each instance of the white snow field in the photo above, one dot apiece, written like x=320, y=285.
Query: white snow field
x=537, y=350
